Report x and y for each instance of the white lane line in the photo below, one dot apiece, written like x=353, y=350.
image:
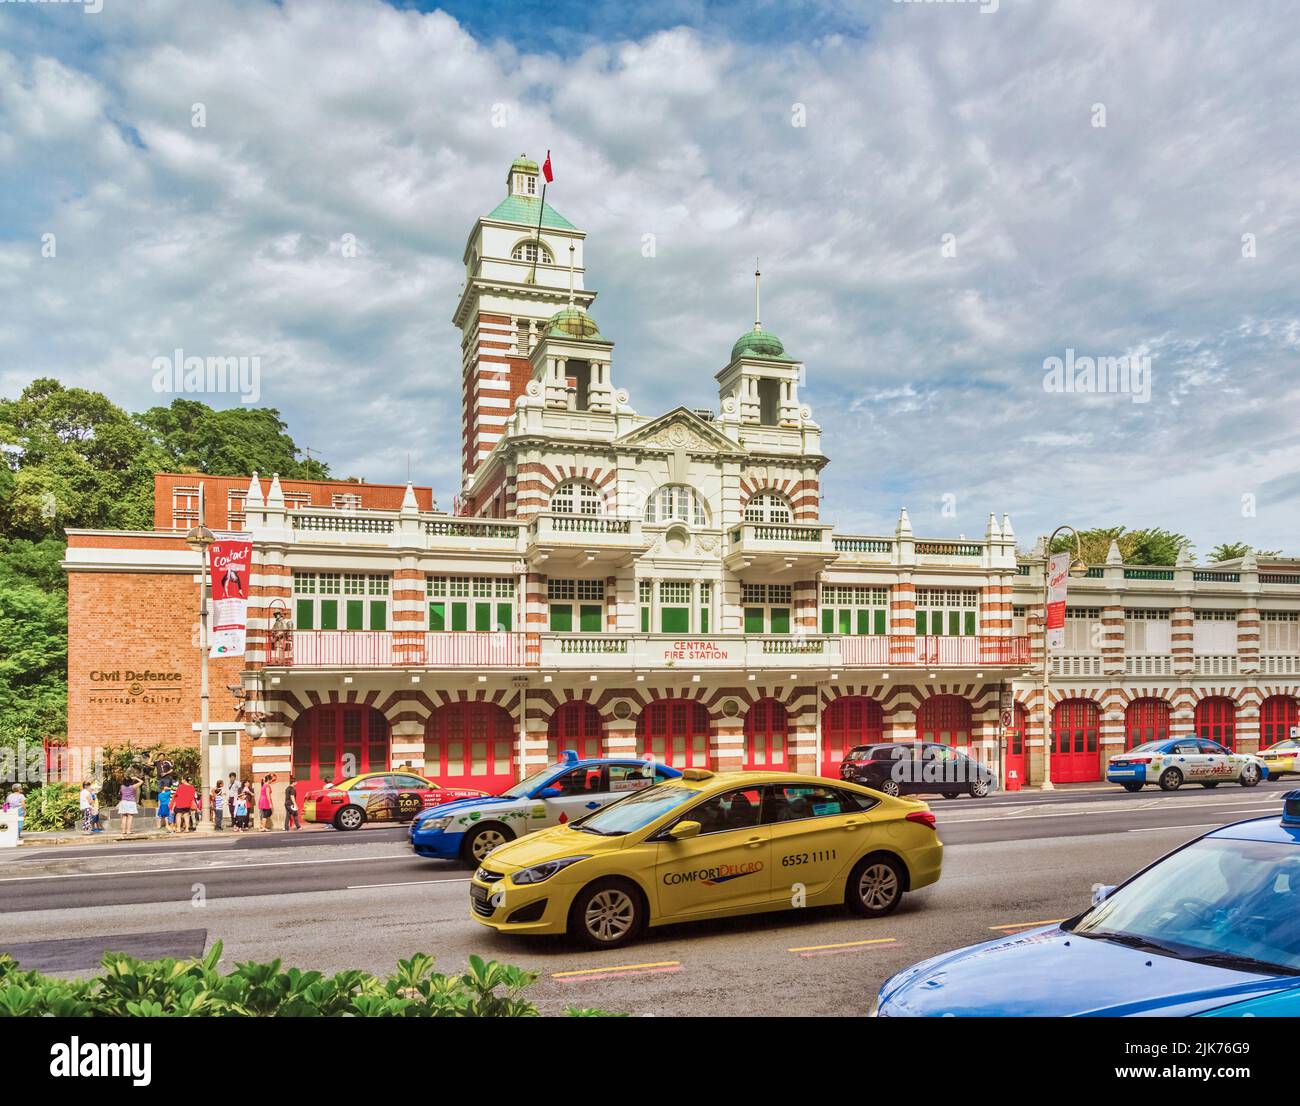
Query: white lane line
x=205, y=868
x=1234, y=808
x=1159, y=829
x=408, y=883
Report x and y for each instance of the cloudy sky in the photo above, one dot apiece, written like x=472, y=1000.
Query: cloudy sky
x=971, y=193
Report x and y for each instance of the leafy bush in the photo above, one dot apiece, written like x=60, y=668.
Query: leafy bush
x=52, y=806
x=119, y=760
x=195, y=989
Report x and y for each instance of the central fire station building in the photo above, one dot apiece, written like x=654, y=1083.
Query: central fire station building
x=623, y=583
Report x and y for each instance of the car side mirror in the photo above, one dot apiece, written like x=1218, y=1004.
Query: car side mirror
x=549, y=793
x=684, y=831
x=1101, y=892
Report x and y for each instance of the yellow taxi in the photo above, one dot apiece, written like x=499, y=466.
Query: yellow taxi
x=710, y=846
x=1280, y=759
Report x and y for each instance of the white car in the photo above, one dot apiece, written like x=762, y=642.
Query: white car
x=468, y=829
x=1174, y=761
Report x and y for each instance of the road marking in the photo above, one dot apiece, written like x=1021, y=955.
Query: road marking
x=1158, y=829
x=812, y=950
x=408, y=883
x=624, y=969
x=1028, y=925
x=1231, y=807
x=208, y=868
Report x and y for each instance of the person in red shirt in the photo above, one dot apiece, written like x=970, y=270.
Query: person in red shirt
x=183, y=805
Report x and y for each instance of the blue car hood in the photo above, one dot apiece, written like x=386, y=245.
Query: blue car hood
x=461, y=804
x=1051, y=973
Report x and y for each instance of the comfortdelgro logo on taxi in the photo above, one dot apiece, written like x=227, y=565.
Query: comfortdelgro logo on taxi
x=713, y=876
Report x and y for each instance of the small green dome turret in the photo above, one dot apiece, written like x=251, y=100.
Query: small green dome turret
x=573, y=322
x=758, y=343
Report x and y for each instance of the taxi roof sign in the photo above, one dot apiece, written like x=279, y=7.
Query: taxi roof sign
x=1291, y=808
x=696, y=774
x=569, y=756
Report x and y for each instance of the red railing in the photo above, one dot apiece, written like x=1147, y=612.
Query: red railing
x=406, y=649
x=900, y=650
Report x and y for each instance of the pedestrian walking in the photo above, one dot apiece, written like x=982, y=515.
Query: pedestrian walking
x=16, y=803
x=265, y=804
x=96, y=825
x=292, y=819
x=183, y=805
x=165, y=809
x=84, y=803
x=127, y=807
x=218, y=805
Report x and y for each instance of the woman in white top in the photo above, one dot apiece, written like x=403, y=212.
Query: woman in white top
x=87, y=814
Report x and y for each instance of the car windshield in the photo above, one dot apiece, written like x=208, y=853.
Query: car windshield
x=526, y=785
x=1231, y=903
x=637, y=811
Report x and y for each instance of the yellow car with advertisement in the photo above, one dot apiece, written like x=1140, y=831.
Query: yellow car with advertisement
x=1282, y=759
x=710, y=846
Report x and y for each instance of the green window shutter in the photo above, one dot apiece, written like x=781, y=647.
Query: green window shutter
x=970, y=623
x=780, y=620
x=954, y=623
x=561, y=618
x=645, y=620
x=505, y=616
x=460, y=616
x=704, y=620
x=753, y=620
x=378, y=614
x=675, y=620
x=864, y=622
x=306, y=615
x=356, y=614
x=483, y=617
x=846, y=622
x=920, y=623
x=881, y=627
x=329, y=614
x=437, y=616
x=589, y=618
x=828, y=620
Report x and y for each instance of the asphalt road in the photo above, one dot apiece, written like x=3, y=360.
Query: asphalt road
x=331, y=900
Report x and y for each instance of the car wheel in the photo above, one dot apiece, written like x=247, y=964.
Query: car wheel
x=891, y=788
x=607, y=914
x=1210, y=786
x=949, y=794
x=1249, y=776
x=350, y=818
x=481, y=841
x=1132, y=787
x=979, y=789
x=1171, y=779
x=875, y=886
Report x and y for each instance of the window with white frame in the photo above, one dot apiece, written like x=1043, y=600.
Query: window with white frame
x=346, y=501
x=768, y=507
x=767, y=608
x=1214, y=633
x=1083, y=630
x=854, y=609
x=1147, y=631
x=236, y=517
x=947, y=611
x=480, y=603
x=532, y=251
x=341, y=601
x=676, y=502
x=577, y=497
x=1279, y=631
x=1019, y=621
x=576, y=605
x=185, y=507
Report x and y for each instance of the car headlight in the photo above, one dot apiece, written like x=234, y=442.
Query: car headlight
x=437, y=823
x=541, y=872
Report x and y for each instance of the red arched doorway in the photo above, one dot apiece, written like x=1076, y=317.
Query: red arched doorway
x=1216, y=719
x=576, y=727
x=848, y=721
x=675, y=732
x=336, y=740
x=767, y=732
x=945, y=719
x=1015, y=749
x=470, y=744
x=1278, y=715
x=1076, y=741
x=1145, y=720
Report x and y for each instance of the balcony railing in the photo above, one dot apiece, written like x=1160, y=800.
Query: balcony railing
x=1217, y=664
x=1149, y=664
x=405, y=649
x=1078, y=664
x=932, y=651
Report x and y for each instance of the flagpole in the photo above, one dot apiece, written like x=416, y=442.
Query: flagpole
x=532, y=276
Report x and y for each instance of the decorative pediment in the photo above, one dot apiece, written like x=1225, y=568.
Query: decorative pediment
x=680, y=429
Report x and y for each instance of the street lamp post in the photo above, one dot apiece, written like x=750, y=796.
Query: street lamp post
x=200, y=538
x=1077, y=568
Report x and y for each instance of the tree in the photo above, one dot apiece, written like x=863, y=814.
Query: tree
x=233, y=442
x=33, y=642
x=1152, y=546
x=1235, y=550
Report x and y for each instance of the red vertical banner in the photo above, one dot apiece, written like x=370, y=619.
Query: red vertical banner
x=231, y=564
x=1058, y=577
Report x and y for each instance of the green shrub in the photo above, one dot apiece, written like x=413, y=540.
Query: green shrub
x=119, y=760
x=195, y=989
x=52, y=806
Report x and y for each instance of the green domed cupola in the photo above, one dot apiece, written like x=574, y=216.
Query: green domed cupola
x=758, y=343
x=573, y=322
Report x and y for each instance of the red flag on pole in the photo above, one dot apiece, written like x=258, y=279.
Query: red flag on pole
x=546, y=168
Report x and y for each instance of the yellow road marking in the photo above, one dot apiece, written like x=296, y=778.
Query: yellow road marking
x=621, y=968
x=1030, y=925
x=844, y=945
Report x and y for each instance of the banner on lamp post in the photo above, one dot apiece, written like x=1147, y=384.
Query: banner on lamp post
x=1058, y=576
x=231, y=564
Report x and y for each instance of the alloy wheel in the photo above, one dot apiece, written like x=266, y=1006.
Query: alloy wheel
x=610, y=914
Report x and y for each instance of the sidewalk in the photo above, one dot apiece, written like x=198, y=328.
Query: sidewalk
x=112, y=836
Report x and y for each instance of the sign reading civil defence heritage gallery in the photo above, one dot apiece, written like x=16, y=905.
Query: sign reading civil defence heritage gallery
x=231, y=566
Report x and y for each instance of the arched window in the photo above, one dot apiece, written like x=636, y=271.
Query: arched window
x=576, y=725
x=532, y=251
x=676, y=502
x=577, y=497
x=1278, y=714
x=768, y=507
x=1216, y=720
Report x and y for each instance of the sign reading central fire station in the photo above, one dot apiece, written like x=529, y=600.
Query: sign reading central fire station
x=699, y=651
